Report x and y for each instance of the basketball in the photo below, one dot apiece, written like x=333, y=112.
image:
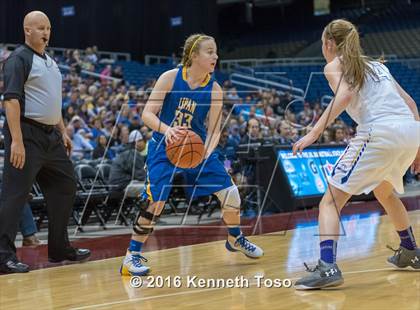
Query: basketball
x=188, y=152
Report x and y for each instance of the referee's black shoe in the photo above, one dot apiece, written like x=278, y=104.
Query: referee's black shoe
x=72, y=254
x=13, y=266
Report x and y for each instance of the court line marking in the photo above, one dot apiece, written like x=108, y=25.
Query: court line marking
x=43, y=269
x=203, y=290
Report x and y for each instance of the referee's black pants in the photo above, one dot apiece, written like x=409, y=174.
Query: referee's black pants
x=47, y=163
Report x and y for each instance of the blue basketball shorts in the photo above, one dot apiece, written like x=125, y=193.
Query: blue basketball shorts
x=205, y=179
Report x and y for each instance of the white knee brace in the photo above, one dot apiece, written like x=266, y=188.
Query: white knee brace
x=229, y=198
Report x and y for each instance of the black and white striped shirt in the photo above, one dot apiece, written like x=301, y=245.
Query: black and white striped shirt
x=35, y=81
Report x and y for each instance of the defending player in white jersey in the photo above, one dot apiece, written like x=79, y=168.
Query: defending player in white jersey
x=386, y=144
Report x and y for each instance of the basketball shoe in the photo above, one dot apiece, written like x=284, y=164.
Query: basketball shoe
x=404, y=258
x=323, y=275
x=132, y=265
x=243, y=245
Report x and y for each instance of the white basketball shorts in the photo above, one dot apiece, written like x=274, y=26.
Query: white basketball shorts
x=378, y=152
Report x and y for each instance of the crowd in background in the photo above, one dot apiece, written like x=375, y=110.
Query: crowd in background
x=100, y=112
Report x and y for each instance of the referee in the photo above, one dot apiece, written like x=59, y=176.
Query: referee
x=36, y=146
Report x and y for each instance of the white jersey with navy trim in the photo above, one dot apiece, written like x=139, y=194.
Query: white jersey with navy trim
x=378, y=100
x=387, y=139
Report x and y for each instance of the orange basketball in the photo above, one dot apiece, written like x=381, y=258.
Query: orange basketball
x=188, y=152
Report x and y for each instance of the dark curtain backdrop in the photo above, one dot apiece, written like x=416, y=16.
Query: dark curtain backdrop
x=136, y=26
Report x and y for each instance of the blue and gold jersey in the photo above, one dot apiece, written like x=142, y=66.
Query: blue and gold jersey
x=186, y=107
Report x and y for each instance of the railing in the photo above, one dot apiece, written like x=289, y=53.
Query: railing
x=231, y=64
x=412, y=63
x=157, y=59
x=272, y=76
x=90, y=73
x=261, y=84
x=60, y=51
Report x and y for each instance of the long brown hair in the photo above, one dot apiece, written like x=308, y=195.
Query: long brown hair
x=192, y=45
x=354, y=62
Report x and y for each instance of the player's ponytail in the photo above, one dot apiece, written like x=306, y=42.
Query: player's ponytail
x=191, y=46
x=354, y=63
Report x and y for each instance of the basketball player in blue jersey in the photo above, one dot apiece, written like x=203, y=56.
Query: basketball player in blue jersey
x=386, y=144
x=186, y=98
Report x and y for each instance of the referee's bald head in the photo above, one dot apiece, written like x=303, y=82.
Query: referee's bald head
x=37, y=28
x=34, y=17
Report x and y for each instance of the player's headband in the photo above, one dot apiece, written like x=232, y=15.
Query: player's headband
x=192, y=47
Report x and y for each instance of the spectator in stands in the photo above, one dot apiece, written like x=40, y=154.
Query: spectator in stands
x=100, y=148
x=115, y=142
x=117, y=73
x=115, y=108
x=28, y=227
x=284, y=133
x=284, y=102
x=227, y=85
x=339, y=136
x=95, y=51
x=127, y=169
x=106, y=72
x=275, y=103
x=90, y=56
x=232, y=97
x=124, y=134
x=306, y=114
x=75, y=61
x=317, y=111
x=76, y=123
x=326, y=136
x=254, y=132
x=226, y=150
x=97, y=127
x=83, y=113
x=234, y=133
x=135, y=123
x=82, y=148
x=124, y=115
x=269, y=118
x=108, y=127
x=73, y=101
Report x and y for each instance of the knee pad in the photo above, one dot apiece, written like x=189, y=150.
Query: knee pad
x=229, y=198
x=142, y=229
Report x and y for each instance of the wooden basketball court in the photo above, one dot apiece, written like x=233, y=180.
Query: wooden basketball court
x=369, y=282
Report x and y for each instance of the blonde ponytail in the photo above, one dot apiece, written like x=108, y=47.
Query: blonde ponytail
x=354, y=63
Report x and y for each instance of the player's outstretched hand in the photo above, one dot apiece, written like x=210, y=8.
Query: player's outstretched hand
x=174, y=134
x=304, y=142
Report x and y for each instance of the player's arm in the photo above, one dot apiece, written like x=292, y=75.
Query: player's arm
x=154, y=105
x=408, y=100
x=342, y=98
x=215, y=119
